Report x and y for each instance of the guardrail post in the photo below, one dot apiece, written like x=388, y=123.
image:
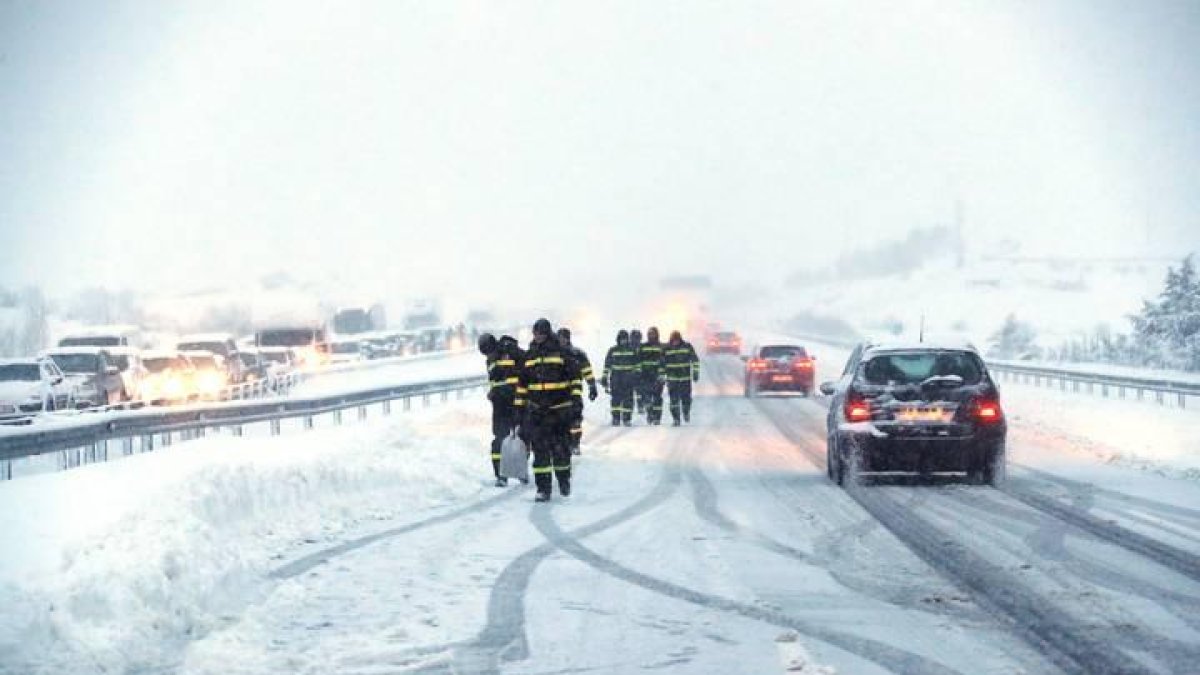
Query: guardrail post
x=275, y=427
x=460, y=393
x=337, y=417
x=148, y=443
x=1104, y=390
x=308, y=422
x=362, y=412
x=100, y=451
x=425, y=399
x=127, y=445
x=1091, y=387
x=445, y=396
x=6, y=469
x=407, y=403
x=1182, y=400
x=1158, y=396
x=387, y=407
x=237, y=430
x=167, y=439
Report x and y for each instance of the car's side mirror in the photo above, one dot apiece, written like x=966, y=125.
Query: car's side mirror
x=828, y=388
x=58, y=379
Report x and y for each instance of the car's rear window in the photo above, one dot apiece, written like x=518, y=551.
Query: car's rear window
x=918, y=366
x=782, y=352
x=726, y=336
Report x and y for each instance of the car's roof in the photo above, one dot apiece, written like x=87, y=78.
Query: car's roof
x=120, y=350
x=95, y=331
x=197, y=353
x=161, y=354
x=943, y=344
x=205, y=337
x=787, y=345
x=22, y=361
x=83, y=349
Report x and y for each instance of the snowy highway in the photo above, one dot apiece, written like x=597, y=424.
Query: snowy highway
x=716, y=547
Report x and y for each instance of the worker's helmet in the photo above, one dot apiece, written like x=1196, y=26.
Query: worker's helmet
x=542, y=327
x=622, y=337
x=487, y=343
x=652, y=334
x=676, y=337
x=564, y=335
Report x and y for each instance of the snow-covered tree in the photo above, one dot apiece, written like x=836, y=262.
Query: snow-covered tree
x=1015, y=339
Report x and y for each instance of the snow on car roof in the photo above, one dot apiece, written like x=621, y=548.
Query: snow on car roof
x=22, y=361
x=93, y=331
x=206, y=337
x=85, y=349
x=908, y=345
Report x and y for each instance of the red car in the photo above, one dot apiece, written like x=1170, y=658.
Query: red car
x=780, y=368
x=725, y=342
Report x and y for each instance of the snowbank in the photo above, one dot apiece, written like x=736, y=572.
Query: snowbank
x=113, y=567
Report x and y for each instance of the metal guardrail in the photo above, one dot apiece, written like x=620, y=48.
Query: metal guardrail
x=88, y=441
x=1163, y=390
x=1116, y=386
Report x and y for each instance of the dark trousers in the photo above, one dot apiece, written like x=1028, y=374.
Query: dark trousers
x=681, y=398
x=652, y=394
x=550, y=436
x=504, y=419
x=622, y=398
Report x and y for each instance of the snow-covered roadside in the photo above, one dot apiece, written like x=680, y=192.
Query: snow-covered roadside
x=441, y=367
x=113, y=567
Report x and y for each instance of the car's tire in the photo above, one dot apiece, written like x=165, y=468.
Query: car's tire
x=994, y=469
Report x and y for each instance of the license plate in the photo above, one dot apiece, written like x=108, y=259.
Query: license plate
x=781, y=378
x=924, y=414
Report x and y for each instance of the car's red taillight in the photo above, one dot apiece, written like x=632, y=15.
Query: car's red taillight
x=803, y=364
x=988, y=411
x=757, y=364
x=857, y=410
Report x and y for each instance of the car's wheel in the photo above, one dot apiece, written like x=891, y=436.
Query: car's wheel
x=994, y=468
x=837, y=461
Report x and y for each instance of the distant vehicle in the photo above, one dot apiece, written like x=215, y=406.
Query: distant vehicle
x=346, y=351
x=32, y=385
x=170, y=379
x=357, y=320
x=311, y=344
x=221, y=344
x=917, y=408
x=211, y=375
x=277, y=361
x=104, y=336
x=725, y=342
x=422, y=314
x=780, y=368
x=128, y=361
x=253, y=366
x=92, y=372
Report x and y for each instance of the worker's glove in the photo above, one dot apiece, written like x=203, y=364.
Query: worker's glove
x=592, y=392
x=491, y=395
x=661, y=380
x=695, y=377
x=604, y=383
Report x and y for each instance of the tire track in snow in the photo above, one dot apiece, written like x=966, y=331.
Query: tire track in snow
x=888, y=657
x=1035, y=620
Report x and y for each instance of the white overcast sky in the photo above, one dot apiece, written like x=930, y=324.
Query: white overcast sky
x=551, y=145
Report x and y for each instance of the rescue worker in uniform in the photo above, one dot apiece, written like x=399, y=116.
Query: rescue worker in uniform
x=585, y=371
x=620, y=376
x=651, y=357
x=682, y=368
x=503, y=366
x=549, y=389
x=639, y=404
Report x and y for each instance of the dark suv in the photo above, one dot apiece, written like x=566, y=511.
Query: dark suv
x=915, y=408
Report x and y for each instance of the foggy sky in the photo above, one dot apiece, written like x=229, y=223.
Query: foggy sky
x=561, y=148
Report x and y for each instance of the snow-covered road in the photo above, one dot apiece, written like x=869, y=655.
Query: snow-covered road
x=719, y=547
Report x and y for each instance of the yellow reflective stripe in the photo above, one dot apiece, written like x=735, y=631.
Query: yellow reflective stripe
x=560, y=406
x=577, y=392
x=496, y=455
x=577, y=431
x=522, y=390
x=505, y=382
x=538, y=470
x=676, y=351
x=586, y=372
x=624, y=367
x=519, y=402
x=563, y=468
x=549, y=386
x=544, y=359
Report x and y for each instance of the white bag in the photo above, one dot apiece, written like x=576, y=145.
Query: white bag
x=514, y=458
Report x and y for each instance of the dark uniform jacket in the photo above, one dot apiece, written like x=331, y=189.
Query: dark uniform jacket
x=549, y=378
x=621, y=361
x=504, y=369
x=650, y=355
x=680, y=362
x=585, y=365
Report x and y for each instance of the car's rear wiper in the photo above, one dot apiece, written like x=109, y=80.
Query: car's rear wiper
x=943, y=380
